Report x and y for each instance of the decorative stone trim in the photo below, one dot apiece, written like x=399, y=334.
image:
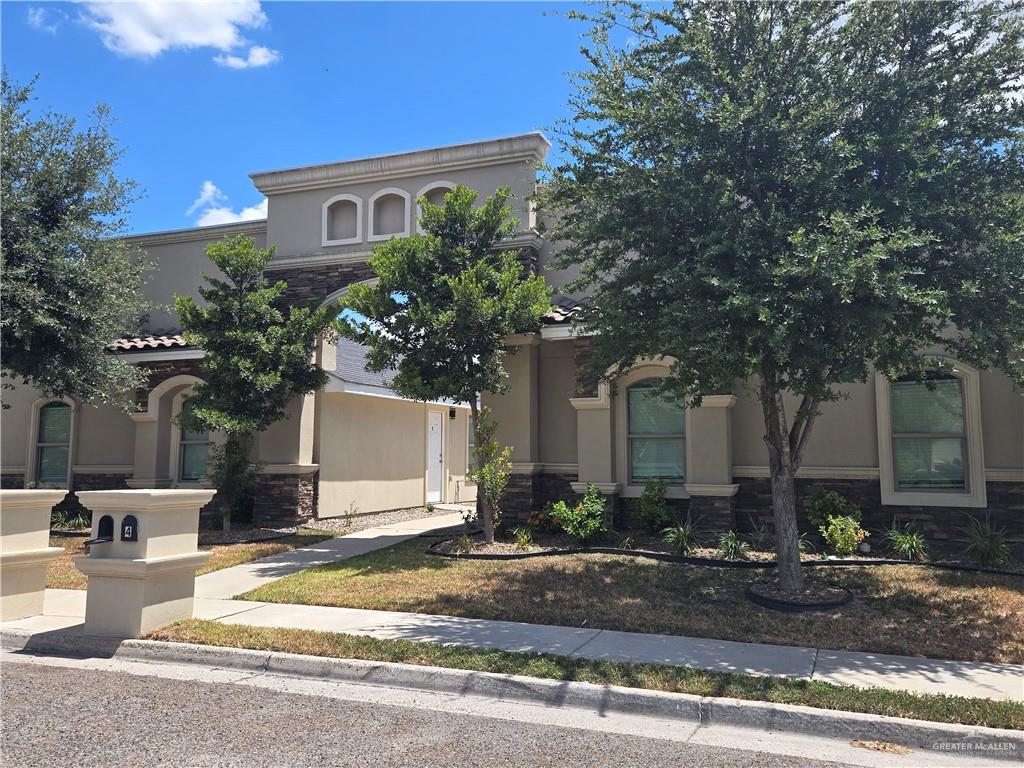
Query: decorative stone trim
x=526, y=469
x=718, y=401
x=698, y=489
x=608, y=489
x=601, y=401
x=523, y=340
x=1005, y=475
x=208, y=234
x=289, y=469
x=102, y=469
x=821, y=473
x=529, y=148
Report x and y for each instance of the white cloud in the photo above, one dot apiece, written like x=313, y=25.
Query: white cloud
x=43, y=20
x=148, y=28
x=215, y=209
x=258, y=57
x=209, y=195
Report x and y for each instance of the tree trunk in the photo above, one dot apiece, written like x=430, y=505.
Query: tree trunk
x=782, y=468
x=233, y=449
x=483, y=510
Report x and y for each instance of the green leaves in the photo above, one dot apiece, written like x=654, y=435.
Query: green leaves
x=70, y=287
x=445, y=301
x=258, y=351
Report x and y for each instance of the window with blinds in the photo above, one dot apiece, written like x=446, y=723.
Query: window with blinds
x=928, y=435
x=53, y=444
x=656, y=435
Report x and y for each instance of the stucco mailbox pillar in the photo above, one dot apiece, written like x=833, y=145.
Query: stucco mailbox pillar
x=25, y=550
x=143, y=559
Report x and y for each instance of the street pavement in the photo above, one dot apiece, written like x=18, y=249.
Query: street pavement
x=110, y=712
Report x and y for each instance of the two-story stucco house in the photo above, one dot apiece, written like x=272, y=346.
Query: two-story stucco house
x=353, y=447
x=898, y=449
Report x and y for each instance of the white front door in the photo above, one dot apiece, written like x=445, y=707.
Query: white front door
x=435, y=457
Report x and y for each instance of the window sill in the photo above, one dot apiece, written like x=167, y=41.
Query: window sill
x=934, y=499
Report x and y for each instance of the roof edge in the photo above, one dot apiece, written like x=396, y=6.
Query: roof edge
x=213, y=232
x=531, y=147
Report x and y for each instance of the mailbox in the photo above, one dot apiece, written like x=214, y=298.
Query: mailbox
x=130, y=528
x=143, y=576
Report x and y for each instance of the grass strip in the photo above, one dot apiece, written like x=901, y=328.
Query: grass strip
x=652, y=677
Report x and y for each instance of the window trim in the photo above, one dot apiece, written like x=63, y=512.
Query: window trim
x=32, y=446
x=974, y=495
x=645, y=370
x=374, y=237
x=325, y=220
x=174, y=459
x=448, y=186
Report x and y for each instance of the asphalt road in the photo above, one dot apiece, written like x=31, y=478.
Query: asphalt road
x=56, y=717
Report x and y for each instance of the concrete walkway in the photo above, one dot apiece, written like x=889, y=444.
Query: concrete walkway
x=65, y=609
x=229, y=582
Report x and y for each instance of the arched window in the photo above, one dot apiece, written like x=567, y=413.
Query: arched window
x=342, y=222
x=193, y=451
x=53, y=444
x=656, y=436
x=389, y=214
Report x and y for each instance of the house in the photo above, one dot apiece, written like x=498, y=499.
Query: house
x=899, y=450
x=353, y=447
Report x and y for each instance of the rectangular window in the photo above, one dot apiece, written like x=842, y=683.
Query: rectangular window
x=929, y=436
x=53, y=445
x=657, y=441
x=193, y=453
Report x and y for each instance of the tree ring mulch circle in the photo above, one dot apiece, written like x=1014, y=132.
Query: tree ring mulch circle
x=815, y=596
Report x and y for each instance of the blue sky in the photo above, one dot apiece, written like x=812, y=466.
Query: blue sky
x=205, y=94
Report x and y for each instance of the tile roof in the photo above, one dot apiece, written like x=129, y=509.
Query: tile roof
x=562, y=311
x=168, y=340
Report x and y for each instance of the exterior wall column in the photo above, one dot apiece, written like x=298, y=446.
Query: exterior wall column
x=152, y=440
x=709, y=462
x=288, y=484
x=595, y=444
x=515, y=412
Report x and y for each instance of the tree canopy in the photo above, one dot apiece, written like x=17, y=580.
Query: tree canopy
x=70, y=287
x=797, y=192
x=443, y=307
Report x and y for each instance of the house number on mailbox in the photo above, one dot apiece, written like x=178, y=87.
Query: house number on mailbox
x=129, y=528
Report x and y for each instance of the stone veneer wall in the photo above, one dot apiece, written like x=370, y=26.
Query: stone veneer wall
x=1005, y=506
x=311, y=285
x=161, y=371
x=286, y=498
x=527, y=493
x=12, y=480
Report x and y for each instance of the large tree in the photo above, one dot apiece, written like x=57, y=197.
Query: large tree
x=443, y=307
x=69, y=286
x=259, y=356
x=792, y=194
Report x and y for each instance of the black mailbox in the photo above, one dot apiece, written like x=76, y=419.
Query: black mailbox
x=129, y=528
x=104, y=532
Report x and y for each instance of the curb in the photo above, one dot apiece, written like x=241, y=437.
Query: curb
x=703, y=710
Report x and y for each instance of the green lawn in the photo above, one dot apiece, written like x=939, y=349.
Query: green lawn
x=904, y=610
x=950, y=709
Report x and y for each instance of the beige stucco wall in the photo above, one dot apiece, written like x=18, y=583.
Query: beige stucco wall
x=102, y=436
x=179, y=259
x=294, y=218
x=290, y=440
x=373, y=454
x=556, y=416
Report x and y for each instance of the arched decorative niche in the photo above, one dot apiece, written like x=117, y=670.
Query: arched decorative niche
x=389, y=214
x=434, y=192
x=342, y=220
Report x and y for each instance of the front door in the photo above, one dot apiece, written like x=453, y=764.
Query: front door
x=435, y=457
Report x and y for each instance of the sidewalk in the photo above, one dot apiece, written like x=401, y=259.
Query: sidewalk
x=64, y=611
x=229, y=582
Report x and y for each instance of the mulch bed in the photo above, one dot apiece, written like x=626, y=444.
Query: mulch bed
x=244, y=535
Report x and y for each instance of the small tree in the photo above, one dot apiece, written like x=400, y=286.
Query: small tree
x=444, y=304
x=792, y=193
x=69, y=286
x=258, y=356
x=492, y=465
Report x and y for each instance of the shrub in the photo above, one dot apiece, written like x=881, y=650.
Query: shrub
x=986, y=545
x=906, y=542
x=652, y=510
x=547, y=519
x=61, y=519
x=523, y=537
x=732, y=547
x=823, y=503
x=463, y=544
x=682, y=538
x=843, y=533
x=761, y=536
x=585, y=521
